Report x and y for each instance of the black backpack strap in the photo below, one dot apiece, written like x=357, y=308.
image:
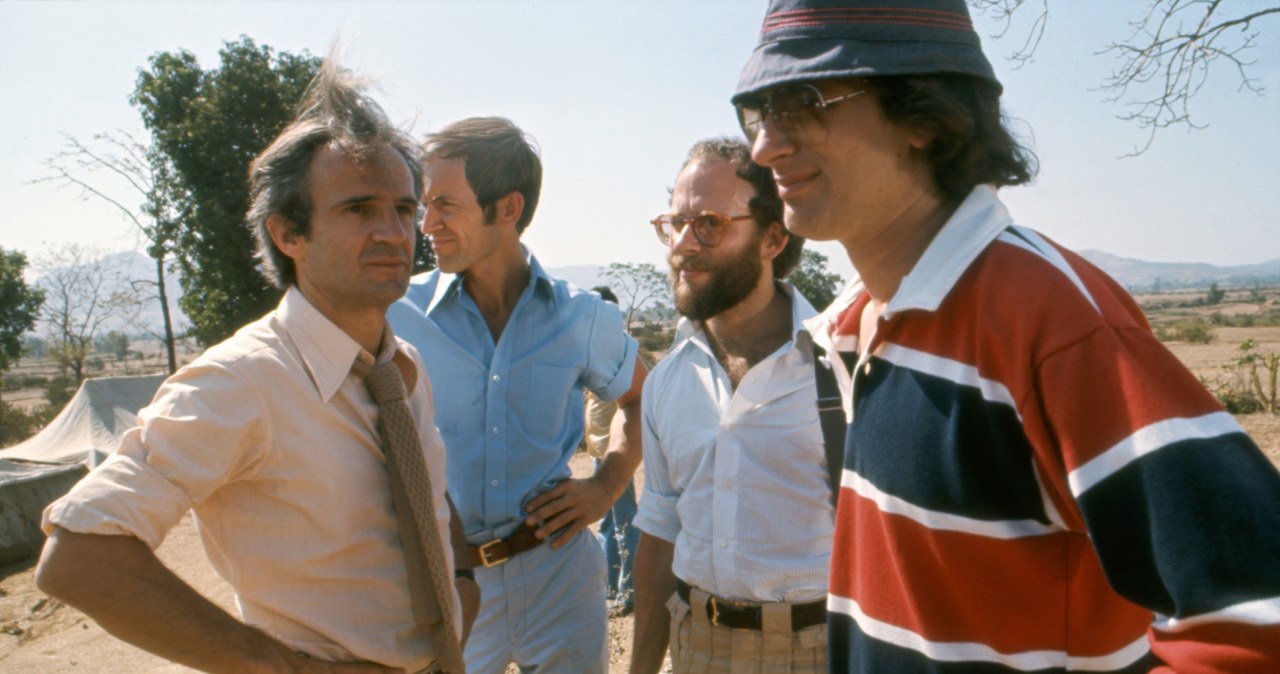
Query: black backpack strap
x=831, y=417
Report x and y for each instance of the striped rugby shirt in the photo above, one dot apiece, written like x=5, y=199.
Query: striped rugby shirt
x=1033, y=482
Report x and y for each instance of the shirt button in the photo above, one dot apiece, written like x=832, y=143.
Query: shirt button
x=497, y=377
x=494, y=483
x=724, y=543
x=495, y=430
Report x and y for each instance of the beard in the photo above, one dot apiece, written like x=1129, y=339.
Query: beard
x=729, y=283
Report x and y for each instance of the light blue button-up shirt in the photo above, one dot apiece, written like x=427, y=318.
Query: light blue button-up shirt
x=511, y=412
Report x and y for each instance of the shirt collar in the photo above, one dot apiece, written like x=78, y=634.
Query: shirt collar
x=975, y=224
x=326, y=350
x=688, y=331
x=450, y=285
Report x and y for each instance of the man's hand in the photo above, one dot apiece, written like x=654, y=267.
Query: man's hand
x=573, y=505
x=569, y=507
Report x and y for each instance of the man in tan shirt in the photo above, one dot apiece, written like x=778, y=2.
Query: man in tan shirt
x=271, y=437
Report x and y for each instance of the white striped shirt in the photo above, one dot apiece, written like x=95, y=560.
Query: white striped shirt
x=737, y=479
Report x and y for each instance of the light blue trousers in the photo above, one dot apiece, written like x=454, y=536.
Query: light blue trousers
x=543, y=610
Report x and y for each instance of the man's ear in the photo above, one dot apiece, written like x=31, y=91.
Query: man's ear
x=285, y=235
x=508, y=209
x=775, y=239
x=919, y=138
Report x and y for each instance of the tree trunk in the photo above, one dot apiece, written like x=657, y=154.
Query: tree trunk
x=164, y=311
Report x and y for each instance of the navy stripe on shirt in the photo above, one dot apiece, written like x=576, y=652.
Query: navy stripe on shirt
x=928, y=441
x=1155, y=523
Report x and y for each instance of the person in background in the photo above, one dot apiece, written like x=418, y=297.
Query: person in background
x=737, y=506
x=518, y=347
x=1032, y=481
x=617, y=537
x=272, y=438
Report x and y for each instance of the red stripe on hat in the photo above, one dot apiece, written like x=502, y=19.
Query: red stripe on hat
x=928, y=18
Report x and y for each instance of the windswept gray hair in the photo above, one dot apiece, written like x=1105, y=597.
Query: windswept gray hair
x=334, y=112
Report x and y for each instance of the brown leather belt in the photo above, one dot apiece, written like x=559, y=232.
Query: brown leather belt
x=498, y=551
x=747, y=616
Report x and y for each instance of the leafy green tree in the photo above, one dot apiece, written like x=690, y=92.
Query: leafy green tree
x=813, y=280
x=19, y=307
x=1215, y=295
x=636, y=285
x=209, y=125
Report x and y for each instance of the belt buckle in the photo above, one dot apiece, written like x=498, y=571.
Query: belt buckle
x=713, y=605
x=483, y=551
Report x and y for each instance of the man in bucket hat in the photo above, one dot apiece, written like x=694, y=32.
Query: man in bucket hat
x=1029, y=474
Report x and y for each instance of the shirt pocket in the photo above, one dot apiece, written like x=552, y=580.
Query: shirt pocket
x=545, y=392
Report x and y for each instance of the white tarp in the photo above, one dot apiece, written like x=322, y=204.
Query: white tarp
x=25, y=490
x=90, y=426
x=36, y=472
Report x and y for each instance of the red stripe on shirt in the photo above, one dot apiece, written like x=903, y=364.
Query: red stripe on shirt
x=981, y=590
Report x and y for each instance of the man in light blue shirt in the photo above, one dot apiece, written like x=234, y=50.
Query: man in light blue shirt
x=512, y=349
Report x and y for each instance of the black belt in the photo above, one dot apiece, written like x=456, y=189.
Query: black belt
x=746, y=616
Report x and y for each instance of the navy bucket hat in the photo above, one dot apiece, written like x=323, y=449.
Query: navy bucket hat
x=803, y=40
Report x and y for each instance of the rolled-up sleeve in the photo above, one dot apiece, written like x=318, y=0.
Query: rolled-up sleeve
x=611, y=359
x=202, y=429
x=657, y=514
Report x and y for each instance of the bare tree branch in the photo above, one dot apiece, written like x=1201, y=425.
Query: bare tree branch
x=1003, y=10
x=83, y=290
x=1165, y=61
x=144, y=173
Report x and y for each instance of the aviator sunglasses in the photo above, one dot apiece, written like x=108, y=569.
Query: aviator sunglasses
x=708, y=226
x=797, y=110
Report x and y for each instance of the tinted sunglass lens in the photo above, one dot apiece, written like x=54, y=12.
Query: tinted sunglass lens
x=750, y=118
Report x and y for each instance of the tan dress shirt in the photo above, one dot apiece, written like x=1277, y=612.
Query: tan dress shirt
x=272, y=441
x=599, y=418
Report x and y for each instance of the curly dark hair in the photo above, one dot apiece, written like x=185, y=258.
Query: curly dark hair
x=498, y=159
x=333, y=113
x=971, y=144
x=766, y=206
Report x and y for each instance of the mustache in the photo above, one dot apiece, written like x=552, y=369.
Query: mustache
x=679, y=263
x=385, y=252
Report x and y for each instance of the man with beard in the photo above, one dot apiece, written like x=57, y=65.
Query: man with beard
x=736, y=512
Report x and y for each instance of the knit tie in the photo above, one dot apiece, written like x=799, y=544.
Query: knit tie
x=420, y=534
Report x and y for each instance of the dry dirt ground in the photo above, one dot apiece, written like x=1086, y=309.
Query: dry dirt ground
x=42, y=636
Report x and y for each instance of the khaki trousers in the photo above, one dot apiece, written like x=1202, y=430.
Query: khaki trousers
x=700, y=647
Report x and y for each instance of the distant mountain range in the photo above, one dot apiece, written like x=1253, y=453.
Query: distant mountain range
x=1143, y=276
x=1135, y=275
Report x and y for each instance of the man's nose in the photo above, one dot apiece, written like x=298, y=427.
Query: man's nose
x=770, y=144
x=683, y=238
x=392, y=226
x=430, y=220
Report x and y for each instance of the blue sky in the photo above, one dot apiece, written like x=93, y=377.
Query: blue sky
x=615, y=93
